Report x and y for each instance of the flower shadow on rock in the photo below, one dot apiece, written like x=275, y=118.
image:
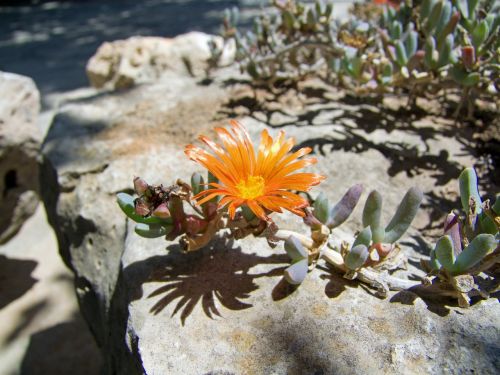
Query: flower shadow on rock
x=219, y=273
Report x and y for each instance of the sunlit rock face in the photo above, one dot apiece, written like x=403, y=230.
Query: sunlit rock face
x=225, y=309
x=20, y=141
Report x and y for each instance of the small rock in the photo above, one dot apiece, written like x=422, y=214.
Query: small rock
x=125, y=63
x=20, y=141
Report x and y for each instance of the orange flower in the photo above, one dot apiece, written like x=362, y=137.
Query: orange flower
x=393, y=3
x=260, y=181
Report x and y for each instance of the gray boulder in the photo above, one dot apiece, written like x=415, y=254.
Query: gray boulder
x=125, y=63
x=20, y=141
x=225, y=309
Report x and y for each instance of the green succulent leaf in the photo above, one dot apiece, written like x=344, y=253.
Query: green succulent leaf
x=343, y=209
x=486, y=224
x=463, y=7
x=152, y=230
x=445, y=253
x=425, y=8
x=297, y=272
x=397, y=30
x=356, y=257
x=430, y=52
x=404, y=215
x=475, y=252
x=480, y=33
x=411, y=43
x=363, y=238
x=445, y=17
x=401, y=56
x=471, y=7
x=321, y=208
x=372, y=211
x=446, y=52
x=295, y=250
x=464, y=78
x=468, y=189
x=434, y=263
x=435, y=15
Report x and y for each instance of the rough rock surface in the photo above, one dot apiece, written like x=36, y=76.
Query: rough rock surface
x=19, y=149
x=224, y=310
x=125, y=63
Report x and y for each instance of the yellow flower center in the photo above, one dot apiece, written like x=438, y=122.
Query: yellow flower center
x=252, y=188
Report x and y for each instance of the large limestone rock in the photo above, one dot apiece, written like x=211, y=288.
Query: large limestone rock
x=224, y=309
x=124, y=63
x=20, y=141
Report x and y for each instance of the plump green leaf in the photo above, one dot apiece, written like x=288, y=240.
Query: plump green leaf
x=321, y=208
x=434, y=263
x=372, y=211
x=152, y=230
x=480, y=33
x=363, y=238
x=434, y=17
x=343, y=209
x=411, y=43
x=401, y=56
x=446, y=52
x=444, y=252
x=425, y=8
x=404, y=215
x=294, y=249
x=297, y=272
x=468, y=189
x=356, y=257
x=444, y=18
x=430, y=52
x=477, y=250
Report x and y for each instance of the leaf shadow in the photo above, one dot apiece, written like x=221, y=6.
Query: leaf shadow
x=337, y=284
x=221, y=273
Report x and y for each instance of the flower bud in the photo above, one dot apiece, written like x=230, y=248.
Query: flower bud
x=162, y=211
x=468, y=56
x=141, y=208
x=140, y=186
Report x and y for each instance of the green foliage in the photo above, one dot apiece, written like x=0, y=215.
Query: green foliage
x=417, y=48
x=404, y=215
x=297, y=271
x=343, y=209
x=476, y=231
x=356, y=257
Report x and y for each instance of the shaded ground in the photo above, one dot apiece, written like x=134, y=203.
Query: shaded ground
x=42, y=331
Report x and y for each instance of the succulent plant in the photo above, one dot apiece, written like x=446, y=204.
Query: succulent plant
x=418, y=47
x=469, y=246
x=469, y=239
x=152, y=217
x=375, y=243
